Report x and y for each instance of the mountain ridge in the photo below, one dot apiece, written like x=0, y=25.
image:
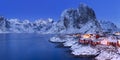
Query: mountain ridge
x=80, y=20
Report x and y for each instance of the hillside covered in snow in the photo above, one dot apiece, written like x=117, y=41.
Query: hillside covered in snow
x=108, y=26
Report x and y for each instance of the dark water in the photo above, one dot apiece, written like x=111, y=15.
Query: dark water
x=31, y=47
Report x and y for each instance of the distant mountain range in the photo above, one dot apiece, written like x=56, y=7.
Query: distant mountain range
x=17, y=26
x=80, y=20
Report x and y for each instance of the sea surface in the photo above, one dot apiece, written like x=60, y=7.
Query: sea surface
x=29, y=46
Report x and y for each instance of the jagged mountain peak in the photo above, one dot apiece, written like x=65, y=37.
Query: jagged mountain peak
x=80, y=15
x=86, y=10
x=78, y=20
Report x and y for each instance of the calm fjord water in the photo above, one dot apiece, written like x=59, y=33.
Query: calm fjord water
x=31, y=47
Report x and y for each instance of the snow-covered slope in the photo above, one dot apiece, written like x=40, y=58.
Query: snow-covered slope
x=108, y=26
x=80, y=20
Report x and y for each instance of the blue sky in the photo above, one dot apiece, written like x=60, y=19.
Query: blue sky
x=35, y=9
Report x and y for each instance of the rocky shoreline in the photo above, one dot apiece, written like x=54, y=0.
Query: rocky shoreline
x=98, y=52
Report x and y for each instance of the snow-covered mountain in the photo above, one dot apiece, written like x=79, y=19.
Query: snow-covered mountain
x=17, y=26
x=108, y=26
x=80, y=20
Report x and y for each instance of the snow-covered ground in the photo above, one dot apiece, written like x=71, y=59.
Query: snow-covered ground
x=100, y=52
x=105, y=55
x=84, y=50
x=66, y=40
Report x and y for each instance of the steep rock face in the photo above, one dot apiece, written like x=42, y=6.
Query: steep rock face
x=80, y=20
x=74, y=17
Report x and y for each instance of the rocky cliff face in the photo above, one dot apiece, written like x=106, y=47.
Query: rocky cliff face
x=80, y=20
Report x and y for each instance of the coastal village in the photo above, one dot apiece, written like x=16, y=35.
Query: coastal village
x=98, y=45
x=101, y=38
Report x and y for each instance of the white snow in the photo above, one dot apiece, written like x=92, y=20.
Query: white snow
x=70, y=42
x=57, y=39
x=108, y=56
x=112, y=39
x=84, y=50
x=108, y=26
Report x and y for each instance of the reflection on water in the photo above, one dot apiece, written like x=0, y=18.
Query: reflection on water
x=31, y=47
